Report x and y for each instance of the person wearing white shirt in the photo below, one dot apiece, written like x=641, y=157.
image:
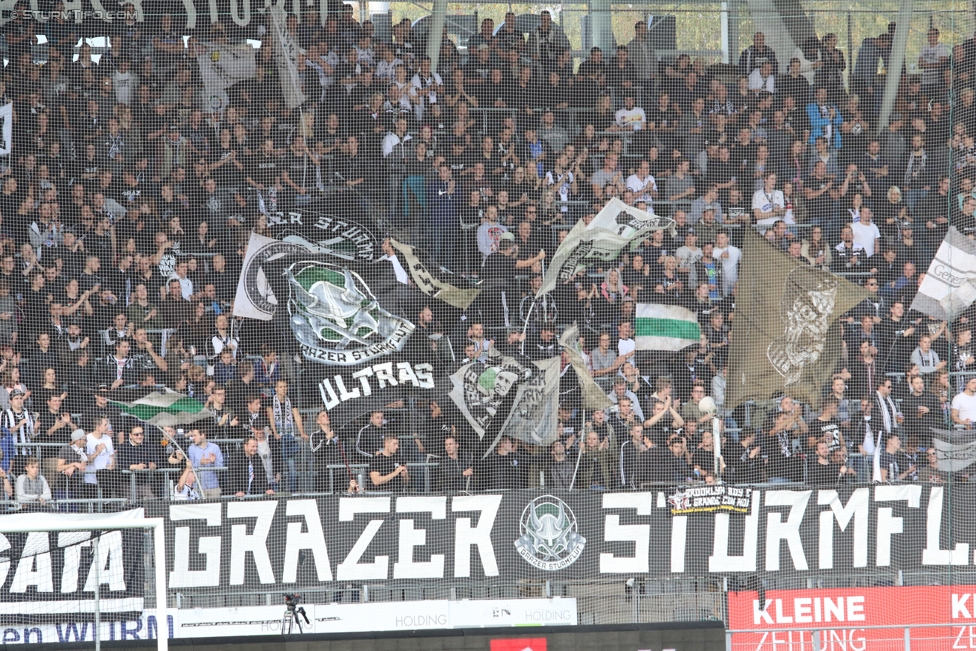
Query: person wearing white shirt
x=100, y=450
x=180, y=276
x=763, y=79
x=768, y=204
x=866, y=233
x=391, y=256
x=395, y=142
x=931, y=58
x=729, y=256
x=626, y=344
x=125, y=83
x=490, y=232
x=631, y=117
x=963, y=408
x=425, y=86
x=643, y=185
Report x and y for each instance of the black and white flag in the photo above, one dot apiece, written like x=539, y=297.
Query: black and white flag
x=286, y=60
x=509, y=397
x=949, y=287
x=431, y=280
x=222, y=65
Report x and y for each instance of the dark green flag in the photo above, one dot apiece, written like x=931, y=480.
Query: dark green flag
x=785, y=336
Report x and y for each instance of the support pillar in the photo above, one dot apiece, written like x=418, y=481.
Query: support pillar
x=602, y=27
x=897, y=64
x=436, y=34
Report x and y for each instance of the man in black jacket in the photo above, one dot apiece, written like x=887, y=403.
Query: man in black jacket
x=454, y=469
x=507, y=467
x=135, y=455
x=325, y=446
x=245, y=472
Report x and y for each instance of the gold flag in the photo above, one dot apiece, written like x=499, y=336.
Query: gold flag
x=785, y=337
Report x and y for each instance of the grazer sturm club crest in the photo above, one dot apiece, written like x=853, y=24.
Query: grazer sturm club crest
x=336, y=319
x=550, y=538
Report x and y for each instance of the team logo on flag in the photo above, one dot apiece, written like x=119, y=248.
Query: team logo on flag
x=550, y=539
x=336, y=319
x=808, y=301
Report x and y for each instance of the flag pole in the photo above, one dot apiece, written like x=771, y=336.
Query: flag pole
x=579, y=457
x=525, y=326
x=186, y=457
x=582, y=443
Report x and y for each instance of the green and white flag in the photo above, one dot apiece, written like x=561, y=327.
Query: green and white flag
x=665, y=327
x=164, y=409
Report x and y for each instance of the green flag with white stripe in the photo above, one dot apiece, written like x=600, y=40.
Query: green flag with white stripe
x=161, y=408
x=665, y=327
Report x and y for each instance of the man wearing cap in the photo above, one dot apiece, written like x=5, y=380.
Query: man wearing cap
x=387, y=470
x=71, y=463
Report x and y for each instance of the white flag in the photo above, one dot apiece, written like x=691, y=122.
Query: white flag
x=223, y=65
x=254, y=298
x=286, y=57
x=949, y=287
x=614, y=228
x=7, y=133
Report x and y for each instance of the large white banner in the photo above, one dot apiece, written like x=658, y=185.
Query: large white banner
x=383, y=616
x=323, y=618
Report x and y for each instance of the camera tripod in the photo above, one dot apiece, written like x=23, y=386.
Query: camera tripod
x=290, y=618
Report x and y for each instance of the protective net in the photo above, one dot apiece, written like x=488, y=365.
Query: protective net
x=563, y=314
x=79, y=578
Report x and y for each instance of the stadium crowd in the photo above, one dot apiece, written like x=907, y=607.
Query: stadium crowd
x=127, y=202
